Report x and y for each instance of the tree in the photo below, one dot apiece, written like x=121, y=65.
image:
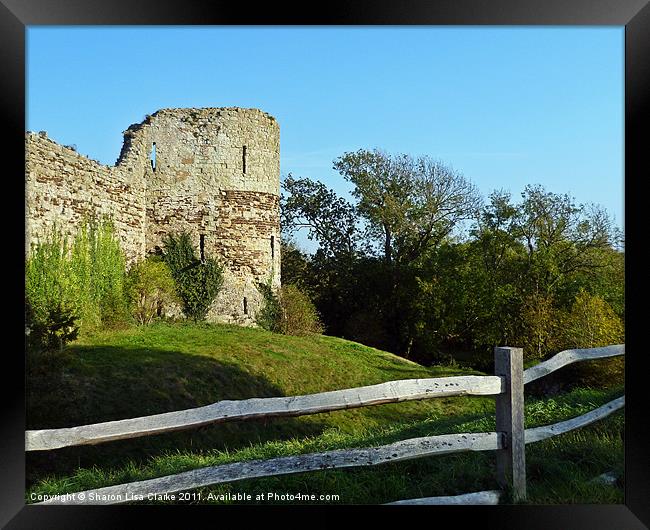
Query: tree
x=409, y=203
x=561, y=238
x=327, y=276
x=296, y=266
x=495, y=233
x=539, y=321
x=329, y=219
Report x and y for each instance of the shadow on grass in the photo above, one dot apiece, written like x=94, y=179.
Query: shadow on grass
x=97, y=384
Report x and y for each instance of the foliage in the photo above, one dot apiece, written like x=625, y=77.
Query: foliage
x=150, y=288
x=75, y=286
x=298, y=316
x=328, y=218
x=415, y=278
x=98, y=265
x=540, y=326
x=592, y=323
x=296, y=267
x=409, y=202
x=268, y=317
x=52, y=332
x=49, y=287
x=289, y=311
x=198, y=282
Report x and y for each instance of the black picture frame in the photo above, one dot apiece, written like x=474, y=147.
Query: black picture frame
x=15, y=15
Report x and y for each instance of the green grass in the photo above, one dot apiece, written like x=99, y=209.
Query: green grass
x=164, y=367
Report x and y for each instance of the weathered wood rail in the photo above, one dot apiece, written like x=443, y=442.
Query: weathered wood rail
x=509, y=442
x=479, y=497
x=571, y=356
x=256, y=408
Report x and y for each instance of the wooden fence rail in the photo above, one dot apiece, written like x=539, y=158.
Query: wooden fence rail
x=338, y=459
x=479, y=497
x=571, y=356
x=255, y=408
x=509, y=441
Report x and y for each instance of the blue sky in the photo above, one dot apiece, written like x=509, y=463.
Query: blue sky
x=505, y=106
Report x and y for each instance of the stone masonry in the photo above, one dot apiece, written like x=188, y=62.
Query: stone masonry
x=214, y=172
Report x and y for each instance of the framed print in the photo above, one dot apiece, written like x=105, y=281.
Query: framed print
x=306, y=220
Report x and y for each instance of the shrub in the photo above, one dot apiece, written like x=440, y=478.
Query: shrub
x=298, y=316
x=51, y=332
x=98, y=267
x=49, y=285
x=268, y=317
x=539, y=320
x=592, y=323
x=74, y=286
x=197, y=281
x=290, y=312
x=150, y=288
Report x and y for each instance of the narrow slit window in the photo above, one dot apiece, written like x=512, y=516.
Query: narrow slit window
x=243, y=158
x=153, y=156
x=245, y=306
x=202, y=247
x=272, y=247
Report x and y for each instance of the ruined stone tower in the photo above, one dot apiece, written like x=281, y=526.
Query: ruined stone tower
x=214, y=172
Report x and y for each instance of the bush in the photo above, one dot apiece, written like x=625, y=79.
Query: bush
x=98, y=266
x=75, y=286
x=52, y=332
x=49, y=284
x=539, y=321
x=298, y=316
x=268, y=317
x=592, y=323
x=150, y=288
x=197, y=282
x=290, y=312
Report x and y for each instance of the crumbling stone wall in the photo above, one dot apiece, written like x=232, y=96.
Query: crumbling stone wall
x=64, y=187
x=213, y=172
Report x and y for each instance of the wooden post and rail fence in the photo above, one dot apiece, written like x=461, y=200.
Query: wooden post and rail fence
x=509, y=441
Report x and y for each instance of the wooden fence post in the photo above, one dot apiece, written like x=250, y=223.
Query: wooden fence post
x=511, y=460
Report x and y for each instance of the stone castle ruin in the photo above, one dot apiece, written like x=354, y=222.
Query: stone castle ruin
x=214, y=172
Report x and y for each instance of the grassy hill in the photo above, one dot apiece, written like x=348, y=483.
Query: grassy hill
x=164, y=367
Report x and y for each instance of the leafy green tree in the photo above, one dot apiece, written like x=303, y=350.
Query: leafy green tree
x=395, y=270
x=327, y=276
x=329, y=219
x=540, y=326
x=409, y=203
x=561, y=238
x=607, y=281
x=296, y=266
x=83, y=279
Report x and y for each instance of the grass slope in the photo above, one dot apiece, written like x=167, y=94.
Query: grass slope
x=164, y=367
